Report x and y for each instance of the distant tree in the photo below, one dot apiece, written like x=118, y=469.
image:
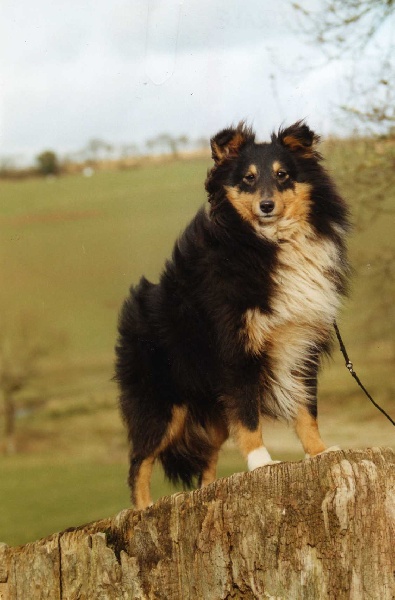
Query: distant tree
x=150, y=144
x=183, y=141
x=129, y=150
x=98, y=149
x=351, y=30
x=47, y=163
x=168, y=143
x=202, y=143
x=7, y=165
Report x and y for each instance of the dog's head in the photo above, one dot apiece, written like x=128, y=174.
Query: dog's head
x=269, y=184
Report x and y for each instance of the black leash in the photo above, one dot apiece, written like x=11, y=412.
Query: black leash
x=350, y=367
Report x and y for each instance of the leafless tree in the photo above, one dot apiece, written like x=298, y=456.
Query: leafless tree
x=168, y=143
x=98, y=149
x=22, y=345
x=128, y=150
x=360, y=32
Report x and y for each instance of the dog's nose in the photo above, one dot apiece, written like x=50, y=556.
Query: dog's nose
x=267, y=206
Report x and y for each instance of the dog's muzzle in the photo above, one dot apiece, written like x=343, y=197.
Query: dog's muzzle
x=267, y=207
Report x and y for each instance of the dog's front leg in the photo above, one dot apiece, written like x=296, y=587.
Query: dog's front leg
x=251, y=445
x=306, y=428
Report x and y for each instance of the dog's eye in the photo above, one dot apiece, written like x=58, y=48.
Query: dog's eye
x=282, y=175
x=249, y=178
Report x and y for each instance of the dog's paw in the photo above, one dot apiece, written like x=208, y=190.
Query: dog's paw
x=260, y=457
x=330, y=449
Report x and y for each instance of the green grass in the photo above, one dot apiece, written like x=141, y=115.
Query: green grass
x=40, y=497
x=70, y=248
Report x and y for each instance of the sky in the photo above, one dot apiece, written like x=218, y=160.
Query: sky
x=127, y=70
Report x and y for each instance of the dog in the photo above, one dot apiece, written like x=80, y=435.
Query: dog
x=236, y=327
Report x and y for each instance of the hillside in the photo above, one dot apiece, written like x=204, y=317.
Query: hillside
x=69, y=249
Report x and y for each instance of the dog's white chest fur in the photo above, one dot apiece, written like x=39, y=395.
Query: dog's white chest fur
x=305, y=287
x=303, y=306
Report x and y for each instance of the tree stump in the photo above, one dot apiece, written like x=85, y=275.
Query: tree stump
x=319, y=528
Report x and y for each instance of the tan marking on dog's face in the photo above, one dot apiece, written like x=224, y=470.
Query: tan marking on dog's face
x=295, y=202
x=306, y=428
x=292, y=205
x=251, y=176
x=252, y=170
x=246, y=203
x=277, y=166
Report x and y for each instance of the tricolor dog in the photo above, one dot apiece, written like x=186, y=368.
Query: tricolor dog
x=234, y=331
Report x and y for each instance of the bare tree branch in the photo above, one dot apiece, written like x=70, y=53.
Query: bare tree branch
x=361, y=34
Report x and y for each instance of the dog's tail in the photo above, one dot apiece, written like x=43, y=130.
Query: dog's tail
x=188, y=457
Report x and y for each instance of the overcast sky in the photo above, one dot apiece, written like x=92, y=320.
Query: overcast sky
x=126, y=70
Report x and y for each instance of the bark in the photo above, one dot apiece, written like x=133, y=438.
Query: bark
x=319, y=528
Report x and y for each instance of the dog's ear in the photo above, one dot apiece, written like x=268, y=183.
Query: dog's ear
x=301, y=139
x=228, y=142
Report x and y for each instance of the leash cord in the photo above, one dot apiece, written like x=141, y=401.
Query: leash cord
x=350, y=367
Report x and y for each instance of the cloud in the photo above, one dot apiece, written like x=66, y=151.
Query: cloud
x=125, y=71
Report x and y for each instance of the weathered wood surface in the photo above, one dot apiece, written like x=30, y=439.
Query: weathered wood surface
x=320, y=528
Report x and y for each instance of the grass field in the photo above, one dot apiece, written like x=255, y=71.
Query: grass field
x=70, y=248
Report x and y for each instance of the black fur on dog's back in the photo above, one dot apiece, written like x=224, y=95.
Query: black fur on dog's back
x=204, y=342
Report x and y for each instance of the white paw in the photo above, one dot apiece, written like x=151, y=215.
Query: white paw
x=260, y=457
x=330, y=449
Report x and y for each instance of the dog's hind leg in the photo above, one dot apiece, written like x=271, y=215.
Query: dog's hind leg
x=142, y=461
x=251, y=445
x=139, y=480
x=218, y=434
